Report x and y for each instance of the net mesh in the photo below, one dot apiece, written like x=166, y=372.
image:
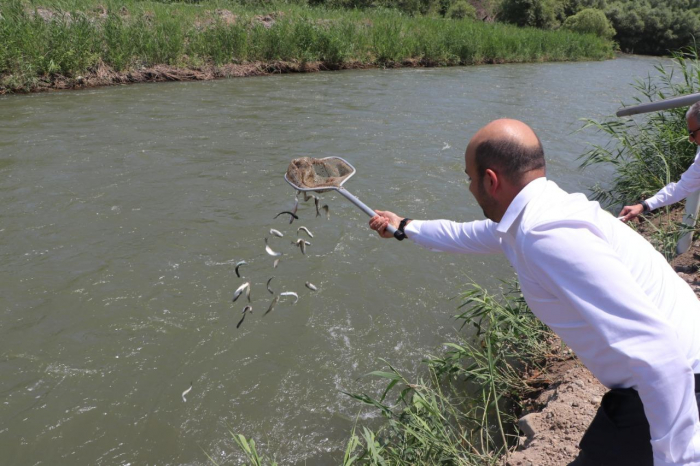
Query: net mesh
x=310, y=173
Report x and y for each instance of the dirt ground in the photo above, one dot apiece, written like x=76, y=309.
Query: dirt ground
x=554, y=423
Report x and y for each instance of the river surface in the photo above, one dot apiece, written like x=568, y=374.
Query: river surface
x=124, y=210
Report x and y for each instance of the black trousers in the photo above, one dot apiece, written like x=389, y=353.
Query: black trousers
x=619, y=433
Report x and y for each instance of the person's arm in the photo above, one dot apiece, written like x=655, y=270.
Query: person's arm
x=583, y=271
x=477, y=237
x=669, y=194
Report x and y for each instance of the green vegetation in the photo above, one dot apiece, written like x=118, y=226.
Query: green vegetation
x=649, y=151
x=463, y=412
x=653, y=27
x=45, y=41
x=590, y=21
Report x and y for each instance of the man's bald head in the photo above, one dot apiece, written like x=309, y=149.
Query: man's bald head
x=509, y=147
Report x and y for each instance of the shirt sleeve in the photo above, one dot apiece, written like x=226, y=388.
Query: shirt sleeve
x=478, y=237
x=575, y=264
x=674, y=192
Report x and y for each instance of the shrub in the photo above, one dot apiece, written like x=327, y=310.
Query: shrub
x=590, y=21
x=653, y=26
x=460, y=10
x=543, y=14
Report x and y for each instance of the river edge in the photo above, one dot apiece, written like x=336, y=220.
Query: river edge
x=554, y=421
x=103, y=75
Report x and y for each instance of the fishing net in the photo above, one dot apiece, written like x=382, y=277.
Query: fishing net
x=310, y=173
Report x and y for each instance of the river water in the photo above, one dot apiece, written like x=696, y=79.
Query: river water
x=126, y=208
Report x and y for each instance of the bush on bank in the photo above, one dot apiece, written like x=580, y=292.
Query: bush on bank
x=40, y=43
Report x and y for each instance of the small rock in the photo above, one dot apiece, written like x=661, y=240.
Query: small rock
x=526, y=425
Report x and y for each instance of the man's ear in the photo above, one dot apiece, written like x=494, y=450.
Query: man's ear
x=491, y=181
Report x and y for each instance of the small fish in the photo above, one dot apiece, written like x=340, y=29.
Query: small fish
x=246, y=310
x=306, y=230
x=276, y=233
x=302, y=245
x=268, y=286
x=186, y=392
x=275, y=263
x=272, y=305
x=311, y=286
x=296, y=206
x=239, y=291
x=291, y=293
x=446, y=146
x=270, y=251
x=317, y=201
x=328, y=211
x=238, y=265
x=289, y=213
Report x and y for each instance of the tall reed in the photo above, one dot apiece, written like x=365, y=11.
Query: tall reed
x=648, y=151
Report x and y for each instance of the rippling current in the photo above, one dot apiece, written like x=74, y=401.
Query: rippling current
x=125, y=209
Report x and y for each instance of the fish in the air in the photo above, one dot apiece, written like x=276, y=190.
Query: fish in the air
x=238, y=274
x=270, y=251
x=275, y=263
x=327, y=210
x=306, y=230
x=272, y=305
x=295, y=208
x=446, y=146
x=276, y=233
x=302, y=244
x=311, y=286
x=291, y=293
x=288, y=213
x=316, y=202
x=246, y=310
x=268, y=286
x=239, y=291
x=186, y=392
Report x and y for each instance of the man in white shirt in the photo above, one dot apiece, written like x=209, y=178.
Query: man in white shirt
x=598, y=284
x=674, y=192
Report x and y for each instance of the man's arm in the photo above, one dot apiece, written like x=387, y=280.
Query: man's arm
x=584, y=271
x=477, y=237
x=669, y=194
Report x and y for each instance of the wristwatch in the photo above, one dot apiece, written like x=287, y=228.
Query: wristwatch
x=402, y=225
x=645, y=206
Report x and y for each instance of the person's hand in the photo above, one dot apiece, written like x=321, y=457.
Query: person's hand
x=629, y=212
x=380, y=221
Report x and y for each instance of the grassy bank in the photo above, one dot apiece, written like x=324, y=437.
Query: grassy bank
x=44, y=42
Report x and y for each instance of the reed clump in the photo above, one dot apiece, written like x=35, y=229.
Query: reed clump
x=41, y=42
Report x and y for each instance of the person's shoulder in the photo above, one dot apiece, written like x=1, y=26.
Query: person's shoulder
x=555, y=208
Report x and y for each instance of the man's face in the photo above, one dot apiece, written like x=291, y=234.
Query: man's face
x=693, y=130
x=476, y=186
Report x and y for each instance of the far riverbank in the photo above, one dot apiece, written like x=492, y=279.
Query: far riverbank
x=86, y=43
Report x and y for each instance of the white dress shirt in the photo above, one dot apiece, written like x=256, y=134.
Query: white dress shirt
x=674, y=192
x=606, y=292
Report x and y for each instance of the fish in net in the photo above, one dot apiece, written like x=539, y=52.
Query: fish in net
x=310, y=173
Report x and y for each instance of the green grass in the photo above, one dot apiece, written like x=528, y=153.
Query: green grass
x=463, y=411
x=130, y=34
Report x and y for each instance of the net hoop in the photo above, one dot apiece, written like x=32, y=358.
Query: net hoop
x=319, y=175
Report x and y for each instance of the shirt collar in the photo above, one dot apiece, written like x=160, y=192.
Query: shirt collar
x=518, y=203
